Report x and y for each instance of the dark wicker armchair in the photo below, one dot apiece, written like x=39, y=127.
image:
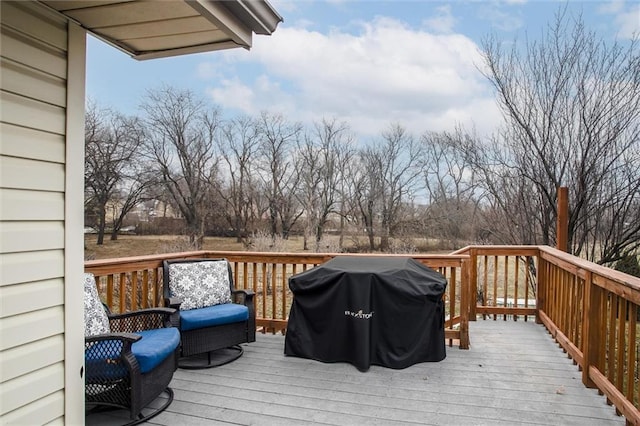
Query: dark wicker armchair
x=130, y=358
x=213, y=317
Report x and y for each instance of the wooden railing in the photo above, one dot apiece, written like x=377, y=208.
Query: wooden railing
x=502, y=281
x=591, y=311
x=136, y=282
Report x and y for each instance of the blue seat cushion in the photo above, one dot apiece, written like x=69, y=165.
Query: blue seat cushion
x=210, y=316
x=102, y=359
x=155, y=346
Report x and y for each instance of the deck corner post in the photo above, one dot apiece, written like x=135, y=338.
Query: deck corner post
x=562, y=222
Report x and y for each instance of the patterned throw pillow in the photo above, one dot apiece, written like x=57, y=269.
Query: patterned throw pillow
x=200, y=284
x=95, y=317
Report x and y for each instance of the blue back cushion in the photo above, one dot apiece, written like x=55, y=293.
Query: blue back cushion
x=213, y=315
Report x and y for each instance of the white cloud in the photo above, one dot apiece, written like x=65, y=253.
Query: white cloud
x=626, y=17
x=283, y=5
x=628, y=22
x=500, y=18
x=233, y=93
x=443, y=21
x=613, y=6
x=387, y=72
x=207, y=71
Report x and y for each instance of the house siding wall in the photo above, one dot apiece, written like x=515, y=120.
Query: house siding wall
x=33, y=134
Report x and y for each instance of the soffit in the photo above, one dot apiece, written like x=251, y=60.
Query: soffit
x=150, y=28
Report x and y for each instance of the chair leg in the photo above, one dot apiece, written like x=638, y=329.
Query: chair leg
x=211, y=359
x=141, y=418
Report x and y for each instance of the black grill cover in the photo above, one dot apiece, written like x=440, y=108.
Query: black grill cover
x=367, y=310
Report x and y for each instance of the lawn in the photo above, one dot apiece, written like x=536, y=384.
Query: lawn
x=138, y=245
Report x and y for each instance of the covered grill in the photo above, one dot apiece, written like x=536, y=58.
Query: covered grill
x=367, y=310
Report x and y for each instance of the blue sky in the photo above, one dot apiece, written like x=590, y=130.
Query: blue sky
x=369, y=63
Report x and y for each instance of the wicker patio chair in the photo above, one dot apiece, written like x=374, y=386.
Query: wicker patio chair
x=130, y=358
x=213, y=317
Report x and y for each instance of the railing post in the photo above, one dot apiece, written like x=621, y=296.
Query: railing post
x=473, y=280
x=464, y=304
x=562, y=223
x=590, y=331
x=541, y=288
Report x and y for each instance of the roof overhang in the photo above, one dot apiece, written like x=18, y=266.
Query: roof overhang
x=147, y=29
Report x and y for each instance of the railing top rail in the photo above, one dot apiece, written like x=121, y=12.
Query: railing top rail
x=156, y=259
x=565, y=260
x=145, y=258
x=133, y=263
x=500, y=250
x=629, y=281
x=327, y=255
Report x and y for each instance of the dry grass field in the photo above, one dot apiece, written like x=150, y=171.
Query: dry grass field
x=139, y=245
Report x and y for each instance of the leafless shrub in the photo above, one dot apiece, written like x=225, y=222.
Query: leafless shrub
x=404, y=245
x=263, y=241
x=180, y=244
x=328, y=245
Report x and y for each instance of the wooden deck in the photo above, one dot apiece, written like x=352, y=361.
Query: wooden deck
x=514, y=373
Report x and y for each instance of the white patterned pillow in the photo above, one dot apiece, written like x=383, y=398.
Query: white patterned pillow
x=95, y=317
x=200, y=283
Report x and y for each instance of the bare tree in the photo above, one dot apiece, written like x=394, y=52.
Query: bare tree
x=572, y=107
x=112, y=175
x=364, y=192
x=385, y=182
x=614, y=235
x=278, y=137
x=239, y=146
x=135, y=192
x=180, y=146
x=324, y=155
x=451, y=185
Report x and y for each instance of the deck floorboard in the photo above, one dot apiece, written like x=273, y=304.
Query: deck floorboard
x=514, y=373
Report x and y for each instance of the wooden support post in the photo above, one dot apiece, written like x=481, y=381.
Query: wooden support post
x=592, y=339
x=473, y=279
x=541, y=288
x=464, y=305
x=562, y=226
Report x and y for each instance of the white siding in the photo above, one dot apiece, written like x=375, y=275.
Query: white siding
x=32, y=386
x=38, y=412
x=21, y=205
x=22, y=329
x=40, y=353
x=23, y=236
x=33, y=83
x=31, y=113
x=37, y=145
x=26, y=267
x=33, y=179
x=29, y=174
